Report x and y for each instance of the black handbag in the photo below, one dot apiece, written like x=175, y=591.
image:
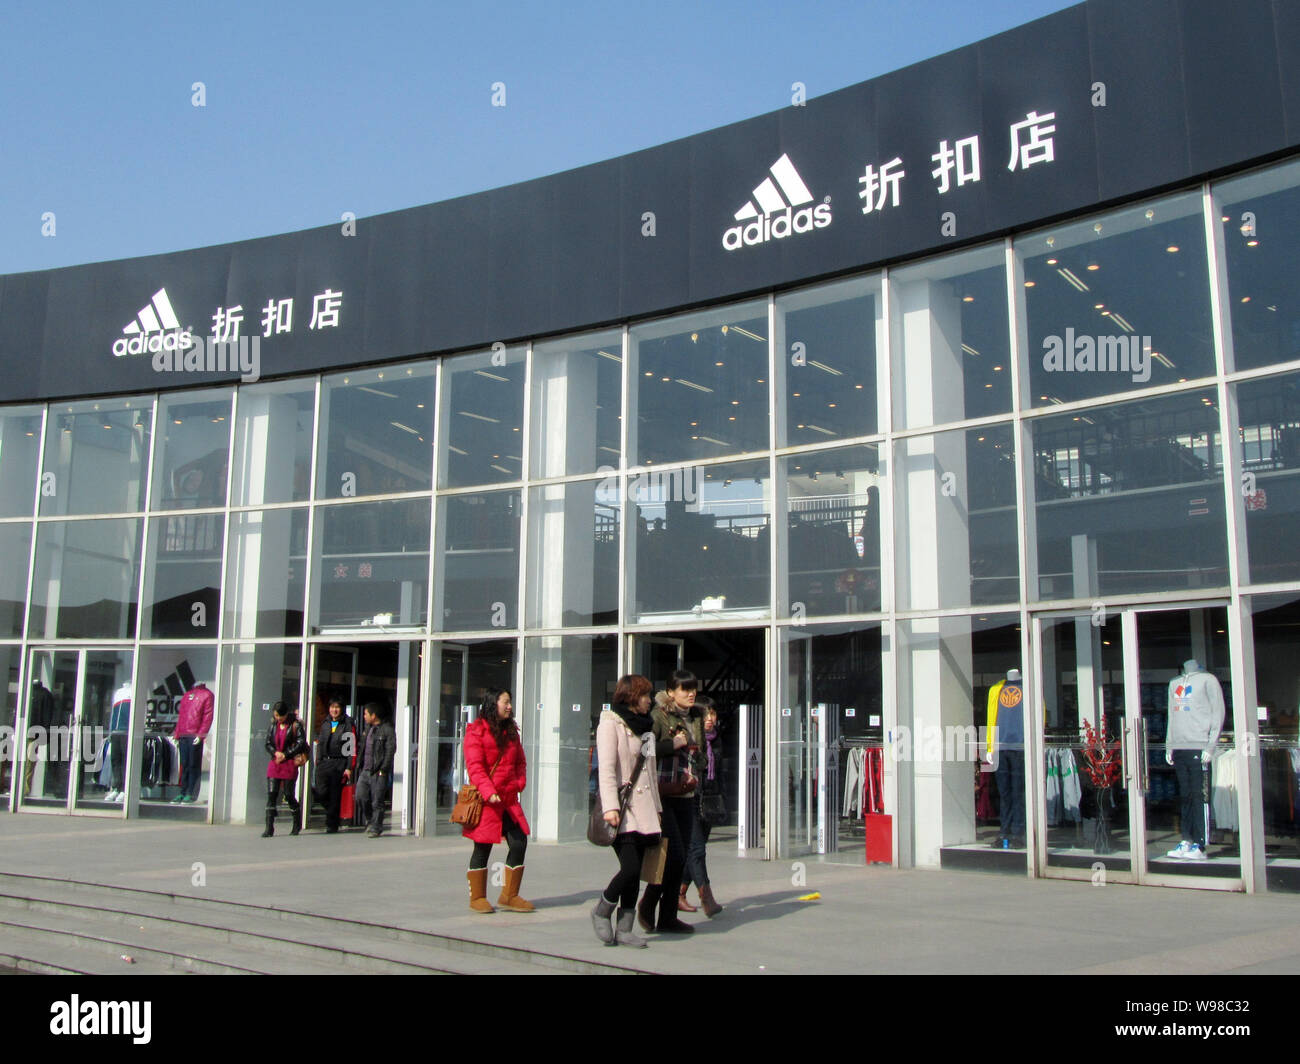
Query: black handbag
x=713, y=809
x=600, y=832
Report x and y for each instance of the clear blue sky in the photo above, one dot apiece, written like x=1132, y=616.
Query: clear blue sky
x=313, y=109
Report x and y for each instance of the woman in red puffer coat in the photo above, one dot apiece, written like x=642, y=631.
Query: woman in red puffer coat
x=494, y=761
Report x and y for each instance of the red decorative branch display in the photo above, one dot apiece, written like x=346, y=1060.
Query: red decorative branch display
x=1100, y=755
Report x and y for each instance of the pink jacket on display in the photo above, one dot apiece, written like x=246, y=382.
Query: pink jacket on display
x=194, y=716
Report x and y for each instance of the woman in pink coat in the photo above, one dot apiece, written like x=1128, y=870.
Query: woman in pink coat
x=494, y=760
x=624, y=735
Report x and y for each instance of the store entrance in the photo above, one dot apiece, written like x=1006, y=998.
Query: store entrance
x=358, y=674
x=1121, y=784
x=731, y=665
x=74, y=757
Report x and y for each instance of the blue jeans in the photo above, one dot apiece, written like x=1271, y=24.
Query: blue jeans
x=190, y=749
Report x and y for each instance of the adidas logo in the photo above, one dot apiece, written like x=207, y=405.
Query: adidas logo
x=781, y=196
x=155, y=328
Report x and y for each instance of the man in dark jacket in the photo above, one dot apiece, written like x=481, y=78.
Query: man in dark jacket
x=336, y=754
x=375, y=767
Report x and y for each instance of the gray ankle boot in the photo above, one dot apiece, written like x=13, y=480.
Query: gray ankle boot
x=600, y=921
x=625, y=936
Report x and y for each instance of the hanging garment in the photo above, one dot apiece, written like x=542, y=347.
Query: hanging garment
x=1223, y=793
x=873, y=799
x=854, y=782
x=1054, y=803
x=986, y=806
x=1071, y=787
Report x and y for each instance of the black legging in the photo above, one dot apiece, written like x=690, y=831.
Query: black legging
x=678, y=821
x=630, y=848
x=516, y=839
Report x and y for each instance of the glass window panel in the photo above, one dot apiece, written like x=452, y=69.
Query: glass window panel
x=1275, y=619
x=952, y=337
x=15, y=549
x=946, y=668
x=373, y=564
x=87, y=578
x=701, y=548
x=192, y=456
x=273, y=429
x=478, y=583
x=20, y=444
x=482, y=419
x=1118, y=302
x=182, y=582
x=826, y=364
x=10, y=660
x=254, y=676
x=461, y=673
x=1269, y=412
x=266, y=571
x=831, y=684
x=1129, y=498
x=573, y=546
x=167, y=675
x=833, y=537
x=568, y=680
x=700, y=386
x=95, y=457
x=956, y=527
x=1261, y=230
x=576, y=387
x=376, y=435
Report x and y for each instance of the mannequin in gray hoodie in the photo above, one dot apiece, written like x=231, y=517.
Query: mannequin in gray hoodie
x=1195, y=720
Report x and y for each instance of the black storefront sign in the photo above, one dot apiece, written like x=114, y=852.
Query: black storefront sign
x=1101, y=102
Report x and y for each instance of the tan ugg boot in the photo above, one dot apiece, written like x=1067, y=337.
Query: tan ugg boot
x=510, y=898
x=478, y=891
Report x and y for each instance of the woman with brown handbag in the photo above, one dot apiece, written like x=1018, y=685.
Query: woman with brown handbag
x=630, y=800
x=494, y=760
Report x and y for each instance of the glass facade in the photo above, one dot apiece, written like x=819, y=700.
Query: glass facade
x=903, y=485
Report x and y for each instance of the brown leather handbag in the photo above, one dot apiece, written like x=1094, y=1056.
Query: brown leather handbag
x=468, y=809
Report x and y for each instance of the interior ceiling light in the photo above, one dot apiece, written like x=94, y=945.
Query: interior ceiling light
x=695, y=338
x=1150, y=214
x=376, y=391
x=825, y=368
x=968, y=299
x=1093, y=266
x=405, y=428
x=1052, y=262
x=492, y=376
x=1163, y=360
x=1172, y=248
x=724, y=329
x=457, y=450
x=824, y=432
x=479, y=417
x=1029, y=284
x=965, y=347
x=692, y=384
x=745, y=332
x=612, y=358
x=1252, y=243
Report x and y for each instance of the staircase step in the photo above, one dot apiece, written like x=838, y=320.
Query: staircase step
x=293, y=941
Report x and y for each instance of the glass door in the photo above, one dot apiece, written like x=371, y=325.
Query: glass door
x=1186, y=754
x=51, y=700
x=101, y=731
x=78, y=719
x=1137, y=770
x=657, y=657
